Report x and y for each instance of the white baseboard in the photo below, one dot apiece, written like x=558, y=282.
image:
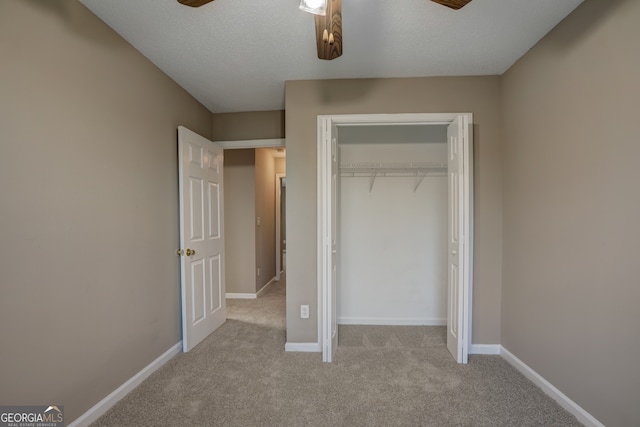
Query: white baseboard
x=304, y=347
x=235, y=295
x=232, y=295
x=97, y=410
x=485, y=349
x=583, y=416
x=264, y=288
x=391, y=321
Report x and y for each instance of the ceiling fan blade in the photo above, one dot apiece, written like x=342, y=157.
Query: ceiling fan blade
x=194, y=3
x=331, y=47
x=453, y=4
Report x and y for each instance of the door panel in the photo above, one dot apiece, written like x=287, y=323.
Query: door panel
x=201, y=237
x=197, y=292
x=455, y=283
x=215, y=287
x=329, y=158
x=334, y=242
x=196, y=202
x=214, y=217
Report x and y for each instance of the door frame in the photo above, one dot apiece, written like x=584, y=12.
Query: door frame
x=263, y=143
x=324, y=135
x=278, y=184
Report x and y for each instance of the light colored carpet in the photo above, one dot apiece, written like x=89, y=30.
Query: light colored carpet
x=383, y=376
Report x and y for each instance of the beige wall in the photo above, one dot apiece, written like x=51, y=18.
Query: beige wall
x=281, y=169
x=89, y=211
x=280, y=165
x=571, y=209
x=250, y=125
x=265, y=210
x=307, y=99
x=244, y=126
x=239, y=220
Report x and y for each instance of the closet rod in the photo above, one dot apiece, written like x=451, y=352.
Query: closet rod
x=392, y=169
x=406, y=169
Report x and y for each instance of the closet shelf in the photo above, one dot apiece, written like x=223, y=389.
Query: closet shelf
x=401, y=169
x=396, y=169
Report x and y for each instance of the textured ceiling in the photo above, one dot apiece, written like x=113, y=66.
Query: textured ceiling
x=235, y=55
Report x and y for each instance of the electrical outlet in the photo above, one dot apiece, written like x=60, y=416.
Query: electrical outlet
x=258, y=271
x=258, y=221
x=304, y=311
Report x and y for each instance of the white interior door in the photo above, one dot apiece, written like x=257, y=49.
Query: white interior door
x=456, y=238
x=201, y=237
x=330, y=326
x=333, y=327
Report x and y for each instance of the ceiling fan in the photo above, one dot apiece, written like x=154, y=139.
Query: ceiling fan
x=328, y=17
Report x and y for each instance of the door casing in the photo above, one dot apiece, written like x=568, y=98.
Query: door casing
x=326, y=125
x=278, y=186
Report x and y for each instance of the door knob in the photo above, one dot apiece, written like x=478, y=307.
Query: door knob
x=180, y=252
x=190, y=252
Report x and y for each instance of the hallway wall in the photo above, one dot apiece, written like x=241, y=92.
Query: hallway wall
x=239, y=220
x=266, y=212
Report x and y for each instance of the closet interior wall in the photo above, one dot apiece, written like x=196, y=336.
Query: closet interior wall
x=392, y=219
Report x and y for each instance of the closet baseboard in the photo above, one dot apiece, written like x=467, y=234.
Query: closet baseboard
x=409, y=321
x=303, y=347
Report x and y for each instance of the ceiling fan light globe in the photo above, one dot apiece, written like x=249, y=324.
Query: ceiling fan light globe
x=317, y=7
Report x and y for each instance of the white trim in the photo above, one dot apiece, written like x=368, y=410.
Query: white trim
x=264, y=288
x=324, y=136
x=469, y=255
x=252, y=143
x=393, y=119
x=484, y=349
x=278, y=184
x=583, y=416
x=236, y=295
x=97, y=410
x=304, y=347
x=249, y=295
x=394, y=321
x=321, y=241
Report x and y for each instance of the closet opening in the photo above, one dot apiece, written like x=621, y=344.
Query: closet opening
x=395, y=224
x=392, y=225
